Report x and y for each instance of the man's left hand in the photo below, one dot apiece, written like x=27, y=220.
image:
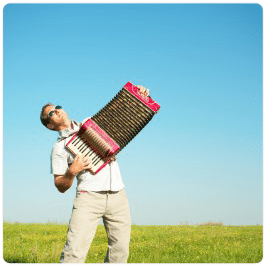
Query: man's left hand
x=144, y=92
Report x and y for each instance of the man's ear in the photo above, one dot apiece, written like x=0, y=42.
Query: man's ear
x=50, y=126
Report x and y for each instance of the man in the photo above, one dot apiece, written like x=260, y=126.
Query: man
x=98, y=196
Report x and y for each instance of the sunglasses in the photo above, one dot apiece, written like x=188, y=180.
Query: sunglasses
x=51, y=113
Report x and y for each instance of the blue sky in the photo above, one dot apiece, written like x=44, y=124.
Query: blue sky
x=199, y=159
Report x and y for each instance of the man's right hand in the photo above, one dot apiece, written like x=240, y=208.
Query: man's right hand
x=79, y=164
x=64, y=182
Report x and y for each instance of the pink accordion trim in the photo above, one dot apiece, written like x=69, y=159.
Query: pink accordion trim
x=149, y=102
x=90, y=124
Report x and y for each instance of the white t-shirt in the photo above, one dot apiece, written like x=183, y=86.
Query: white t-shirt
x=109, y=178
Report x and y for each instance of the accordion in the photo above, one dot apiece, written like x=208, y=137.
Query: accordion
x=113, y=127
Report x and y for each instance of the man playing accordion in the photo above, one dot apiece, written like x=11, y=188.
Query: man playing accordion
x=98, y=196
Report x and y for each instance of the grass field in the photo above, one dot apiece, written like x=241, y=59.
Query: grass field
x=43, y=243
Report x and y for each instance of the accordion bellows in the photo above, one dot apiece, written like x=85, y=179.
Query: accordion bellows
x=113, y=127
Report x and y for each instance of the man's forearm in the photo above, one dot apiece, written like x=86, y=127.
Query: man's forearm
x=64, y=182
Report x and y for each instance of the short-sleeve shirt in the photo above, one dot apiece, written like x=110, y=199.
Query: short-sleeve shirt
x=109, y=178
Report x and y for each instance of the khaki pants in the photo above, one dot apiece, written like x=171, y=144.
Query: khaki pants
x=88, y=208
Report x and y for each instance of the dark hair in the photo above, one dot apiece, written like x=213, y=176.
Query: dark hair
x=44, y=119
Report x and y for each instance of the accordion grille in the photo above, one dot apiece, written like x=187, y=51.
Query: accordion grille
x=123, y=117
x=100, y=144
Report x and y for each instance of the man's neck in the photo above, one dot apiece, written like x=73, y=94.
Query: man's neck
x=67, y=124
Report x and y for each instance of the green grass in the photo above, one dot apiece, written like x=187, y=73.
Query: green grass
x=43, y=243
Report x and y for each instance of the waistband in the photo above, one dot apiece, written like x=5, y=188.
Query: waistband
x=100, y=192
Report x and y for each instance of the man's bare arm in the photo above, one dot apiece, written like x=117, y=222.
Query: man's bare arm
x=64, y=182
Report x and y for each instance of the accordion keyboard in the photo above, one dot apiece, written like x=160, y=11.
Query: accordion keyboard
x=79, y=146
x=92, y=142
